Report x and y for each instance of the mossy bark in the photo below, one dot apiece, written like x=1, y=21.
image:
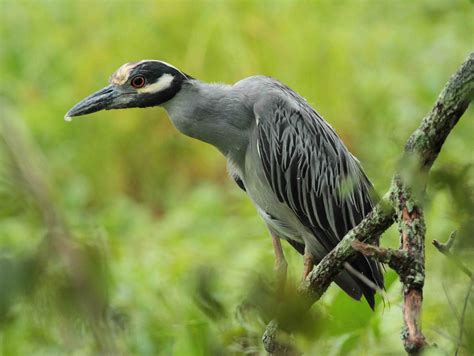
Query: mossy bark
x=402, y=203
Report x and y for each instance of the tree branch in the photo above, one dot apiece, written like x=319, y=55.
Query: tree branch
x=396, y=259
x=445, y=249
x=412, y=229
x=409, y=185
x=403, y=200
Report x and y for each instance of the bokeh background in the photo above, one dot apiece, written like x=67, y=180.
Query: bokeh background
x=118, y=235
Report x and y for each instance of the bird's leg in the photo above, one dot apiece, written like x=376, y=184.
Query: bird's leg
x=308, y=264
x=280, y=265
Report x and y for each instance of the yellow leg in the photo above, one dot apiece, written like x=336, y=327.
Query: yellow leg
x=280, y=265
x=308, y=264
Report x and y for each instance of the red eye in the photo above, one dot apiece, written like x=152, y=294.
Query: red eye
x=138, y=81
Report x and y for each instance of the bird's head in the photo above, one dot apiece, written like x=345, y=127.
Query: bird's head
x=135, y=84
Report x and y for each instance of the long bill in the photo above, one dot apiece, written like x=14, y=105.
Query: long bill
x=100, y=100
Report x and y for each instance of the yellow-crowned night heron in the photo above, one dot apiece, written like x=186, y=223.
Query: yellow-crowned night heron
x=308, y=188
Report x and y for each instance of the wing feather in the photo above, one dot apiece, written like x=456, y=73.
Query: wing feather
x=309, y=168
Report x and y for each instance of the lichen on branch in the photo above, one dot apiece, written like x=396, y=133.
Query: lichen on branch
x=403, y=204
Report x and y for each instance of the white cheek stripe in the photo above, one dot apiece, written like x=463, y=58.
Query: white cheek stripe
x=161, y=84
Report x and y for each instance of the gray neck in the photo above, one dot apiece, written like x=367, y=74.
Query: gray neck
x=212, y=113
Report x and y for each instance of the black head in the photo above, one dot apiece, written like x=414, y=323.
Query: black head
x=135, y=84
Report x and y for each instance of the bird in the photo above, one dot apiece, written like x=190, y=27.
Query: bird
x=305, y=184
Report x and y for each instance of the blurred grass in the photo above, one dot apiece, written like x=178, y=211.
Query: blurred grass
x=156, y=210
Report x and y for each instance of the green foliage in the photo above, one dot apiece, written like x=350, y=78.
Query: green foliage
x=157, y=251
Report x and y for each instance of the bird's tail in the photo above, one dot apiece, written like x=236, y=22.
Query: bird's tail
x=361, y=277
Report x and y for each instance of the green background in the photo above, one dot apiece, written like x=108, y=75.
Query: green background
x=158, y=251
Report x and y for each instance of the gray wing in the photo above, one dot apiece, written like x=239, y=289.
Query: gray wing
x=310, y=169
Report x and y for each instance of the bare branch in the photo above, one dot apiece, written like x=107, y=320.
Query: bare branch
x=445, y=249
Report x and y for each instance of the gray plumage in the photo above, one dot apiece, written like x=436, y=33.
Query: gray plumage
x=308, y=188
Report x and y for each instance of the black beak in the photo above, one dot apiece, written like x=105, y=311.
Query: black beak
x=101, y=100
